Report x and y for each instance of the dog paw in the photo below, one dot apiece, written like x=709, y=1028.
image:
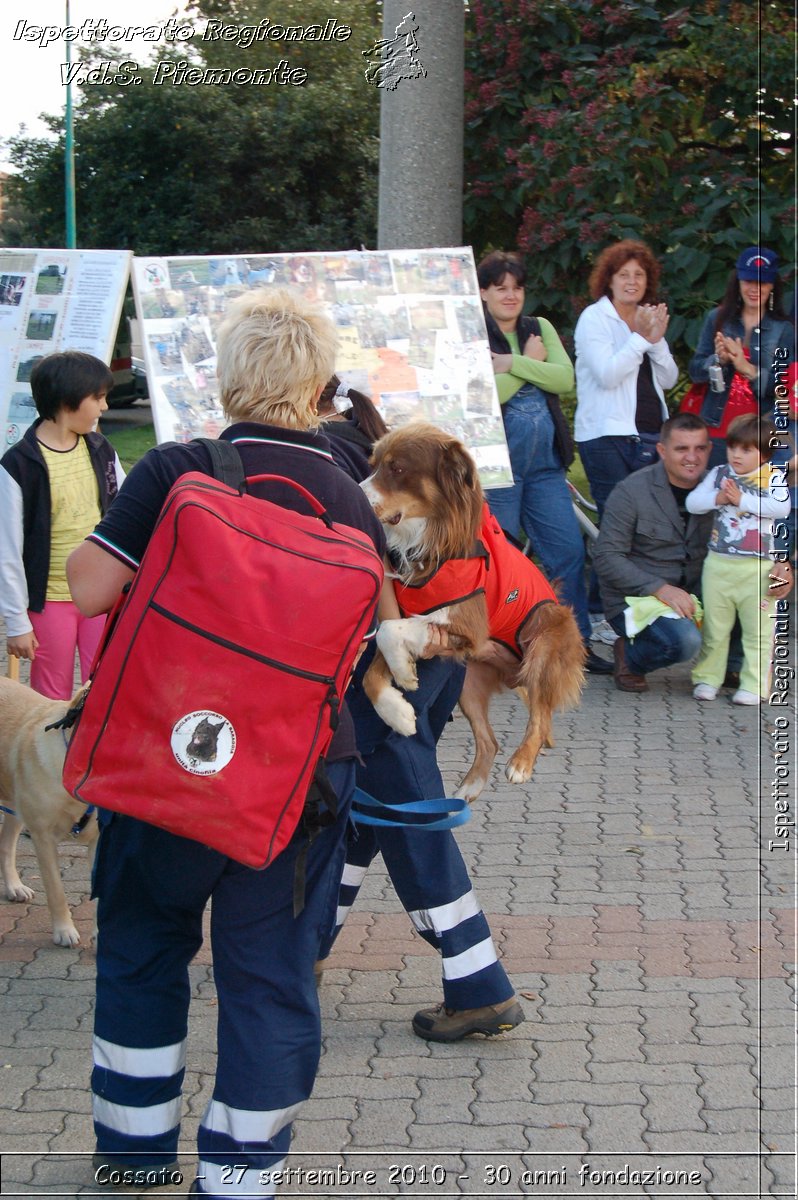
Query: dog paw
x=66, y=935
x=470, y=790
x=396, y=712
x=407, y=678
x=517, y=772
x=398, y=642
x=18, y=892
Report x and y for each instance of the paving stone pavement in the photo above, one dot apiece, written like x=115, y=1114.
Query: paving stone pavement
x=644, y=918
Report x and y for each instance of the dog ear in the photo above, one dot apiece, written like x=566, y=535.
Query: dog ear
x=377, y=450
x=457, y=471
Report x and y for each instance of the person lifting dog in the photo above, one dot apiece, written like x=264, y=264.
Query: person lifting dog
x=275, y=353
x=426, y=867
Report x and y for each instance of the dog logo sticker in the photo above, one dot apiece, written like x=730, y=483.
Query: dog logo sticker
x=203, y=742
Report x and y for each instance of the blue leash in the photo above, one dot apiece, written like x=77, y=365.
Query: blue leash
x=77, y=828
x=365, y=809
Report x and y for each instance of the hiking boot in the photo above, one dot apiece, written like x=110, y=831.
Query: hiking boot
x=443, y=1024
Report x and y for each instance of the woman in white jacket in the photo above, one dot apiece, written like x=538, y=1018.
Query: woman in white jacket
x=623, y=367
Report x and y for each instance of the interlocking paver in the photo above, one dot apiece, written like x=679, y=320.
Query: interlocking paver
x=616, y=1126
x=700, y=1055
x=621, y=1042
x=726, y=1087
x=747, y=1175
x=781, y=1169
x=561, y=1062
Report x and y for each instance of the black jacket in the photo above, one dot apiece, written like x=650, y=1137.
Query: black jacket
x=643, y=542
x=25, y=464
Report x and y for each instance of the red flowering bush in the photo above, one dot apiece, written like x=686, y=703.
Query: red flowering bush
x=593, y=120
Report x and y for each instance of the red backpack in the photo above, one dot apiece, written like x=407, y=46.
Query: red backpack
x=218, y=685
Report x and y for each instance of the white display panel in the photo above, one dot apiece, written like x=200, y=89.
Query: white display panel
x=410, y=326
x=53, y=300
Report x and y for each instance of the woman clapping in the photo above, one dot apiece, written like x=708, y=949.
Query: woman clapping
x=623, y=367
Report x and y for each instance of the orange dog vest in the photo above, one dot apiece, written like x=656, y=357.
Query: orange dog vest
x=512, y=584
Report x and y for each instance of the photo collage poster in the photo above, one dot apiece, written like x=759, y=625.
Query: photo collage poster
x=411, y=335
x=53, y=300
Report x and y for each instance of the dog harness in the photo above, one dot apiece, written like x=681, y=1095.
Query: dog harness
x=77, y=828
x=512, y=585
x=66, y=722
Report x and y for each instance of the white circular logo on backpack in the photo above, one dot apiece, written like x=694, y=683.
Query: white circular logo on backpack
x=203, y=742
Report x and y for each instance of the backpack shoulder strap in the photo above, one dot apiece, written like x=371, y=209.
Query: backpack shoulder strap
x=225, y=461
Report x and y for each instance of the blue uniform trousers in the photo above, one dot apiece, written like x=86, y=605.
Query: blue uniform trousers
x=426, y=869
x=152, y=889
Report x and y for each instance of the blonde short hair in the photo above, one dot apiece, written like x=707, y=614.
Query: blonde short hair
x=275, y=350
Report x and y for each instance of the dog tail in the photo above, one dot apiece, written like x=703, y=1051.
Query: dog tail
x=554, y=671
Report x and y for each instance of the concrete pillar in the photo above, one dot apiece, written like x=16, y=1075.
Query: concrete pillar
x=421, y=132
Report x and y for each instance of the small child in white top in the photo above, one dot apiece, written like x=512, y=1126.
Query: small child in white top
x=55, y=484
x=747, y=494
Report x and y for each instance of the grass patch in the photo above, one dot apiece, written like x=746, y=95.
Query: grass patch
x=131, y=443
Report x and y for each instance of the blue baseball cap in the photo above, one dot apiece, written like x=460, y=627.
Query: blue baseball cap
x=759, y=264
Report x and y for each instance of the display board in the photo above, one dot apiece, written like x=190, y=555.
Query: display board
x=53, y=300
x=411, y=334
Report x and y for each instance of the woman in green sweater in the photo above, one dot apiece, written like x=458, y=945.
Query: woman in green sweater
x=532, y=369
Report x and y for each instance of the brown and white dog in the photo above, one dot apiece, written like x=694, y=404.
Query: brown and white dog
x=454, y=567
x=31, y=761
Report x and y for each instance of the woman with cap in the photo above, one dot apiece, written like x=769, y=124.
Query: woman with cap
x=748, y=341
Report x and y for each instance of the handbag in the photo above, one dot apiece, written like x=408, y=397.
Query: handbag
x=740, y=402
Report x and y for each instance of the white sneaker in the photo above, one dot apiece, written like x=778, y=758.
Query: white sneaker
x=601, y=630
x=704, y=691
x=741, y=696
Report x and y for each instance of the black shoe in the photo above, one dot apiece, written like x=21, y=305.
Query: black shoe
x=596, y=665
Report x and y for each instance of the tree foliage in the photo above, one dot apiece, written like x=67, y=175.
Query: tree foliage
x=174, y=169
x=592, y=120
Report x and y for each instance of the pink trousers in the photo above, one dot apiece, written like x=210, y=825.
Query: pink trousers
x=61, y=629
